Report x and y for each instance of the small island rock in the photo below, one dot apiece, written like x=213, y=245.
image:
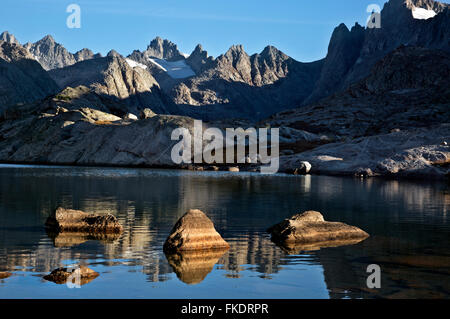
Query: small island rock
x=194, y=231
x=77, y=221
x=310, y=227
x=62, y=275
x=4, y=275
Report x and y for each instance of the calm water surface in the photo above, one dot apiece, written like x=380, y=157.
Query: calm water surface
x=408, y=223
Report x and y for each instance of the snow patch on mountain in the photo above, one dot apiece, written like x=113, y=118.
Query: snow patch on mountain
x=176, y=69
x=134, y=64
x=422, y=14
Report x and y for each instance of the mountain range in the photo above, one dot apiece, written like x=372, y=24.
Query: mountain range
x=397, y=72
x=238, y=85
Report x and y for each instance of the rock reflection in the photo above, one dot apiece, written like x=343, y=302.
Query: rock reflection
x=193, y=267
x=405, y=218
x=296, y=249
x=69, y=239
x=254, y=251
x=404, y=273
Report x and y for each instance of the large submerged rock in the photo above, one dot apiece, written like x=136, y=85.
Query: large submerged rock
x=69, y=220
x=194, y=231
x=309, y=231
x=77, y=275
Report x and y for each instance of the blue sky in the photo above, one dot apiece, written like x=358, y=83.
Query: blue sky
x=300, y=28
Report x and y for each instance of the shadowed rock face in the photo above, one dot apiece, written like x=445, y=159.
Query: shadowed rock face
x=194, y=231
x=391, y=123
x=22, y=79
x=310, y=228
x=4, y=275
x=62, y=275
x=199, y=60
x=352, y=54
x=192, y=267
x=77, y=221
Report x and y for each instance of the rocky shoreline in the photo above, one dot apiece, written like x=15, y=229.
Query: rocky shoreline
x=381, y=111
x=439, y=172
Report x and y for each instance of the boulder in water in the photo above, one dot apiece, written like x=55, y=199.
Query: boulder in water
x=194, y=231
x=82, y=274
x=4, y=275
x=311, y=228
x=302, y=169
x=70, y=220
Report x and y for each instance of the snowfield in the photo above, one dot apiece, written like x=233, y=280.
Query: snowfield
x=422, y=14
x=135, y=64
x=177, y=69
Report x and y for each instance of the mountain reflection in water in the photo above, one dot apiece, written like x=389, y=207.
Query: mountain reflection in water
x=407, y=222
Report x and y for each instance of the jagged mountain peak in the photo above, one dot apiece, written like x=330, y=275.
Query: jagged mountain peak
x=11, y=52
x=236, y=48
x=357, y=27
x=47, y=39
x=114, y=53
x=272, y=53
x=199, y=51
x=52, y=55
x=86, y=54
x=8, y=37
x=198, y=48
x=342, y=35
x=163, y=49
x=235, y=52
x=199, y=60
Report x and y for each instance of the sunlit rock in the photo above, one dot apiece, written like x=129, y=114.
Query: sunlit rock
x=4, y=275
x=130, y=117
x=78, y=275
x=310, y=228
x=302, y=169
x=69, y=220
x=194, y=231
